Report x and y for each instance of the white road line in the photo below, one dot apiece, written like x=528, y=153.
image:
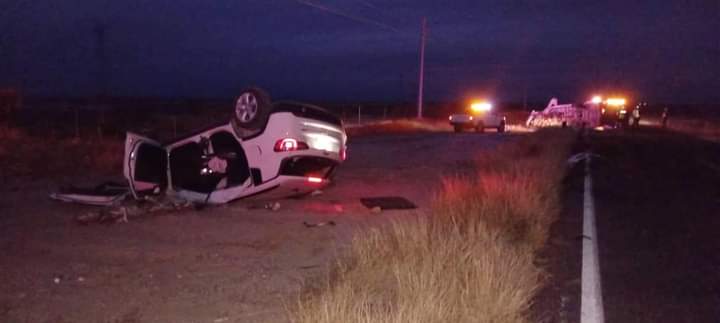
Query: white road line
x=591, y=303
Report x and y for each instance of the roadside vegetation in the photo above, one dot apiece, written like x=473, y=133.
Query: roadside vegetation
x=35, y=156
x=515, y=122
x=396, y=126
x=470, y=260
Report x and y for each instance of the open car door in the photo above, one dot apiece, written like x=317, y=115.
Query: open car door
x=145, y=165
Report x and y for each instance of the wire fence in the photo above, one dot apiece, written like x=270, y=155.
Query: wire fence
x=164, y=121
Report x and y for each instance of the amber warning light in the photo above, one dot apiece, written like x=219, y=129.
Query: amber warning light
x=615, y=101
x=481, y=106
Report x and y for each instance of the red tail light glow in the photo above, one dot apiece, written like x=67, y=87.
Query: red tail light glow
x=314, y=179
x=343, y=154
x=289, y=144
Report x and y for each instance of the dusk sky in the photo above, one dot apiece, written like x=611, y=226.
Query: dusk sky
x=662, y=50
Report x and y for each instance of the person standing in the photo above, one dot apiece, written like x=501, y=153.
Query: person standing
x=664, y=118
x=636, y=117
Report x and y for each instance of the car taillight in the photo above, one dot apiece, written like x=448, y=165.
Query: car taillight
x=289, y=144
x=312, y=179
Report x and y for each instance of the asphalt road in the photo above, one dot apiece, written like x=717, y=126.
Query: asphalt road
x=658, y=201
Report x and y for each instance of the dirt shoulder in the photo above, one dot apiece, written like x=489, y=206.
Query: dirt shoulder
x=235, y=263
x=657, y=205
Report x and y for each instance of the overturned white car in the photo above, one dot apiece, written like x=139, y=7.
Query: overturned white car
x=275, y=149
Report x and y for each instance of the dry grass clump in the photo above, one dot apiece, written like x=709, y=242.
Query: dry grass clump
x=471, y=260
x=514, y=190
x=410, y=272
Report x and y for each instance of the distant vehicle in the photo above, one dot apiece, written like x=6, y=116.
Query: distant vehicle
x=276, y=150
x=566, y=115
x=480, y=117
x=615, y=113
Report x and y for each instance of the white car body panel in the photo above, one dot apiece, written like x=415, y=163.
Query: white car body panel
x=286, y=125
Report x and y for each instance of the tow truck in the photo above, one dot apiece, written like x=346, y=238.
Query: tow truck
x=566, y=115
x=480, y=117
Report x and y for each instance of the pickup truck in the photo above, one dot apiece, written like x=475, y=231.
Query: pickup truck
x=479, y=118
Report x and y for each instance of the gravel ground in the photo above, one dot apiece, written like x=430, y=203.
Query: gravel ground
x=234, y=263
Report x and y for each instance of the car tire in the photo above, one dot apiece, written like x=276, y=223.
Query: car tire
x=480, y=128
x=457, y=128
x=252, y=108
x=501, y=128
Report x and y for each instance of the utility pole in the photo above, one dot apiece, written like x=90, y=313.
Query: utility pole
x=422, y=68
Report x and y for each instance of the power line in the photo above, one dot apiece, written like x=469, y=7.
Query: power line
x=349, y=16
x=430, y=37
x=368, y=4
x=385, y=13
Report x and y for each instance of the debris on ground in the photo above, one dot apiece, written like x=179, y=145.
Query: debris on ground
x=273, y=206
x=117, y=207
x=387, y=203
x=376, y=210
x=318, y=224
x=105, y=194
x=122, y=213
x=316, y=193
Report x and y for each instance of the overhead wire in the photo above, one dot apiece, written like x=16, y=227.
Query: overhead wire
x=430, y=37
x=349, y=16
x=368, y=4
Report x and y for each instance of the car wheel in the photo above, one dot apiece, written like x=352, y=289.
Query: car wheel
x=252, y=108
x=480, y=127
x=458, y=128
x=501, y=128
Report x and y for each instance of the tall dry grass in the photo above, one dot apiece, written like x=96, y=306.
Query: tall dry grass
x=471, y=260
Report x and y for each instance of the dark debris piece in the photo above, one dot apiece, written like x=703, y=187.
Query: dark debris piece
x=319, y=224
x=388, y=203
